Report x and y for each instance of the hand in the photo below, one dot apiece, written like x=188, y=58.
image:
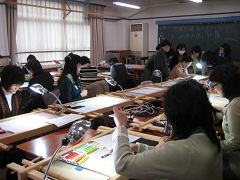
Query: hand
x=134, y=147
x=120, y=117
x=84, y=93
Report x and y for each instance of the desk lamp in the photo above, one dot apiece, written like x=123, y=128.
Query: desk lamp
x=199, y=65
x=157, y=73
x=114, y=83
x=76, y=132
x=38, y=88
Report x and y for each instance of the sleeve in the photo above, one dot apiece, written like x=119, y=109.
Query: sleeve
x=160, y=63
x=151, y=163
x=65, y=91
x=233, y=116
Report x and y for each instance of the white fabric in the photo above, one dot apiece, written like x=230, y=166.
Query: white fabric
x=8, y=96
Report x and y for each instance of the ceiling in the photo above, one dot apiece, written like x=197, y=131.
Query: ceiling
x=141, y=3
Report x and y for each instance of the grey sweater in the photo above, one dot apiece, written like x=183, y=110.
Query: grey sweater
x=231, y=128
x=193, y=158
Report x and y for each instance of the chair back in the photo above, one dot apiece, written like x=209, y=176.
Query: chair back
x=98, y=87
x=49, y=99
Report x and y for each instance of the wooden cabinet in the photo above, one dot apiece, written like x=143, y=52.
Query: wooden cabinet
x=120, y=54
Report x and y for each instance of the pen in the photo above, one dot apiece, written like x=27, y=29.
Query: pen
x=106, y=155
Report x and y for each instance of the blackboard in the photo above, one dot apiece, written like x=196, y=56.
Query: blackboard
x=208, y=34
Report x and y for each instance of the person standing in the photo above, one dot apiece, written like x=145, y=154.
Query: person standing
x=224, y=51
x=199, y=65
x=12, y=77
x=225, y=79
x=161, y=62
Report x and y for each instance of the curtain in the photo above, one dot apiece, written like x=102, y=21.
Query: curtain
x=46, y=34
x=11, y=13
x=97, y=45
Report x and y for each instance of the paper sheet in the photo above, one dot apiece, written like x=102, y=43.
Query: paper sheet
x=63, y=120
x=97, y=103
x=146, y=90
x=198, y=77
x=24, y=123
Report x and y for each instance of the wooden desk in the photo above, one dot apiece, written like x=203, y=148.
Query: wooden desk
x=27, y=125
x=99, y=104
x=56, y=170
x=46, y=145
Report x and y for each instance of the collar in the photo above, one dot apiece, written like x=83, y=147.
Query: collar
x=71, y=78
x=5, y=91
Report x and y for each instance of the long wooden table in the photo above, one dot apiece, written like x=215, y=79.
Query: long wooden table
x=33, y=171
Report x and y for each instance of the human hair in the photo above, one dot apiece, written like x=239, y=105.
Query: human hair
x=70, y=67
x=158, y=47
x=227, y=48
x=229, y=77
x=180, y=46
x=187, y=59
x=34, y=65
x=170, y=52
x=187, y=109
x=31, y=57
x=86, y=60
x=165, y=42
x=197, y=49
x=10, y=75
x=112, y=61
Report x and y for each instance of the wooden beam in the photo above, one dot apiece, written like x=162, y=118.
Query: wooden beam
x=62, y=9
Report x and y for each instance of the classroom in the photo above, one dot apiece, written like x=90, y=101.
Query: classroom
x=75, y=45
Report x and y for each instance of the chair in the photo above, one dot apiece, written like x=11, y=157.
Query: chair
x=98, y=87
x=49, y=99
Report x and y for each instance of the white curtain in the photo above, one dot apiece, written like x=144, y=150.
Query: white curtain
x=44, y=33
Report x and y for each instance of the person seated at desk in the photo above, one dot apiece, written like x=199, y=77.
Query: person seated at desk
x=88, y=73
x=193, y=151
x=224, y=51
x=120, y=74
x=225, y=80
x=25, y=69
x=69, y=82
x=181, y=69
x=39, y=77
x=199, y=65
x=12, y=78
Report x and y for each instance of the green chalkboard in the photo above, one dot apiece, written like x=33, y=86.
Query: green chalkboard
x=208, y=35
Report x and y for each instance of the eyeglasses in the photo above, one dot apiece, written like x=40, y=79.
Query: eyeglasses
x=213, y=85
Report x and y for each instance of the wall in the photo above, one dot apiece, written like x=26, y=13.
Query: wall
x=168, y=11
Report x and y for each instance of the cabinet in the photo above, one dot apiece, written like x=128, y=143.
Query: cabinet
x=119, y=54
x=139, y=39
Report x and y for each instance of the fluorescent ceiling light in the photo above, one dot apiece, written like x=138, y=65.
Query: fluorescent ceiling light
x=197, y=1
x=126, y=5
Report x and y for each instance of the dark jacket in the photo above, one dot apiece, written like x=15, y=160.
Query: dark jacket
x=68, y=91
x=36, y=100
x=4, y=108
x=160, y=63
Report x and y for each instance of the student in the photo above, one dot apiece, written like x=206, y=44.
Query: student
x=25, y=69
x=226, y=81
x=149, y=67
x=120, y=74
x=181, y=69
x=12, y=78
x=88, y=73
x=40, y=77
x=199, y=65
x=160, y=61
x=179, y=56
x=69, y=82
x=225, y=51
x=193, y=151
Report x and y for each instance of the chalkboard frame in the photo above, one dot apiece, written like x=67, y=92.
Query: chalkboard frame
x=235, y=20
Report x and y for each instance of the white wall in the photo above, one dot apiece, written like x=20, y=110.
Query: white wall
x=166, y=12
